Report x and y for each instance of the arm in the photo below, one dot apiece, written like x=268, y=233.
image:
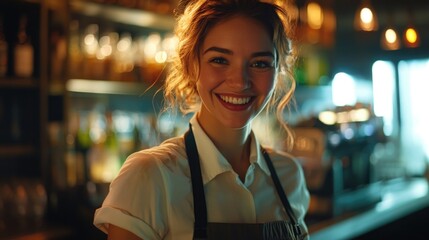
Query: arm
x=117, y=233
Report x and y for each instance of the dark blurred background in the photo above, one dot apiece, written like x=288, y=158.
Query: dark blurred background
x=79, y=84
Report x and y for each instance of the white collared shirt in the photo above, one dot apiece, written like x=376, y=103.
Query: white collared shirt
x=152, y=194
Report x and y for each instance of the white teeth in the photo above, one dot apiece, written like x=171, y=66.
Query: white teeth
x=235, y=100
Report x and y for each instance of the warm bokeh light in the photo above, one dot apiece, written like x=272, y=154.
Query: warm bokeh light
x=328, y=117
x=124, y=43
x=152, y=45
x=90, y=40
x=354, y=115
x=390, y=40
x=366, y=15
x=390, y=35
x=411, y=37
x=105, y=49
x=161, y=57
x=365, y=18
x=315, y=15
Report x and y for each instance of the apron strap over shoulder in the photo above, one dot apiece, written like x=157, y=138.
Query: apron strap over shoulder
x=281, y=193
x=200, y=208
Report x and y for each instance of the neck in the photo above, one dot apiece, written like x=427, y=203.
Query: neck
x=234, y=144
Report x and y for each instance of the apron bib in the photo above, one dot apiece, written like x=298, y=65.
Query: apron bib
x=276, y=230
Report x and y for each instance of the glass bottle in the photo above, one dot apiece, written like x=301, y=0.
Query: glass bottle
x=137, y=141
x=111, y=146
x=3, y=51
x=24, y=51
x=75, y=53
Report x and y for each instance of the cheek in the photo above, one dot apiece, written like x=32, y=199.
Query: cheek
x=265, y=83
x=210, y=77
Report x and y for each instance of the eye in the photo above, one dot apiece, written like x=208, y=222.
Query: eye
x=262, y=64
x=219, y=60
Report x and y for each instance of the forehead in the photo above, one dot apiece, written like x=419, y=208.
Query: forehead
x=239, y=32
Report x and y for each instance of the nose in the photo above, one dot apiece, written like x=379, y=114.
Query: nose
x=239, y=78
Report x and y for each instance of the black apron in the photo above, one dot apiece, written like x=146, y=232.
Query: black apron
x=287, y=230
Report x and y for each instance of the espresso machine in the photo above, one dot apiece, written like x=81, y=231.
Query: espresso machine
x=335, y=150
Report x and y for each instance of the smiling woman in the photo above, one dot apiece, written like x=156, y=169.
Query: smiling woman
x=236, y=76
x=216, y=181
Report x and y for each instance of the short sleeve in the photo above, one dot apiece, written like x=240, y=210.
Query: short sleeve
x=136, y=199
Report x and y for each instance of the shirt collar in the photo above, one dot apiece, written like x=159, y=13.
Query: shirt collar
x=212, y=162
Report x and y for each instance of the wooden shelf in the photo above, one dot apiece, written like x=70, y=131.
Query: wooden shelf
x=45, y=231
x=108, y=87
x=135, y=17
x=17, y=150
x=15, y=82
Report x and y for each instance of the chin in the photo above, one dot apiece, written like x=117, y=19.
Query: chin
x=234, y=124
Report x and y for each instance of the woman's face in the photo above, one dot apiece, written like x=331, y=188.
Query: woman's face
x=237, y=72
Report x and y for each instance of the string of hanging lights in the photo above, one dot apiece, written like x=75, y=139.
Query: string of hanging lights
x=365, y=17
x=319, y=19
x=366, y=20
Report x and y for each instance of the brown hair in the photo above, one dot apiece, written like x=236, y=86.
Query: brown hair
x=195, y=18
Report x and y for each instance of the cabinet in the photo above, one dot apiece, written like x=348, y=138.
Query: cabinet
x=37, y=112
x=115, y=63
x=23, y=112
x=112, y=70
x=23, y=117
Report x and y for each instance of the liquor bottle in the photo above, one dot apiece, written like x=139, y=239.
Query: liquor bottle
x=16, y=123
x=3, y=51
x=113, y=160
x=75, y=54
x=24, y=51
x=111, y=142
x=137, y=141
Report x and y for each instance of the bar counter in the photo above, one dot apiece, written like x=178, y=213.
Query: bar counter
x=400, y=199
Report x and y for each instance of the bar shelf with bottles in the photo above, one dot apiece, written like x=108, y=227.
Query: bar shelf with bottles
x=108, y=42
x=20, y=88
x=116, y=57
x=108, y=82
x=23, y=189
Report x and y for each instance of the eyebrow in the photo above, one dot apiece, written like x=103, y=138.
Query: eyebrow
x=229, y=52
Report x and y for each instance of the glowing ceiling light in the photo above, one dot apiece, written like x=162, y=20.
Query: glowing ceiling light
x=383, y=83
x=365, y=17
x=390, y=40
x=343, y=90
x=411, y=37
x=390, y=36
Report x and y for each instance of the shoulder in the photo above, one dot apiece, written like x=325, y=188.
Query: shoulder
x=138, y=196
x=291, y=175
x=168, y=153
x=284, y=161
x=149, y=167
x=146, y=177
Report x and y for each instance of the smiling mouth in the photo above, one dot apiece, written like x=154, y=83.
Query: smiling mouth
x=235, y=100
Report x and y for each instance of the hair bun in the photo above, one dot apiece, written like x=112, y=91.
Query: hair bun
x=181, y=6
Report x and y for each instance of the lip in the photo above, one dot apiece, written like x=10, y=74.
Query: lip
x=235, y=107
